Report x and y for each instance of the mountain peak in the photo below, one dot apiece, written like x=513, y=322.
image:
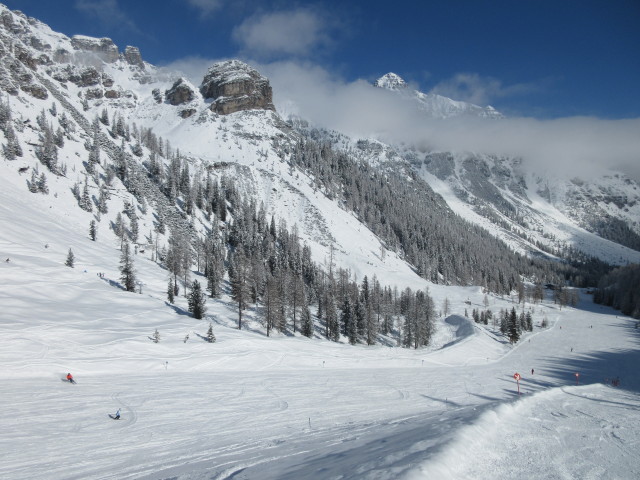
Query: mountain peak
x=390, y=81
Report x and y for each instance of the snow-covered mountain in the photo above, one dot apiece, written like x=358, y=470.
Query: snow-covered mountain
x=100, y=148
x=86, y=88
x=434, y=105
x=527, y=209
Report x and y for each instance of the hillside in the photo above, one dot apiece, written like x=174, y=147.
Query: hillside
x=340, y=279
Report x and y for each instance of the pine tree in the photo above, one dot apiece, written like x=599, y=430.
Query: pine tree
x=42, y=184
x=93, y=233
x=135, y=229
x=529, y=322
x=170, y=294
x=118, y=226
x=127, y=273
x=70, y=259
x=239, y=278
x=33, y=183
x=332, y=319
x=306, y=323
x=513, y=330
x=346, y=317
x=197, y=301
x=211, y=338
x=85, y=201
x=156, y=336
x=103, y=196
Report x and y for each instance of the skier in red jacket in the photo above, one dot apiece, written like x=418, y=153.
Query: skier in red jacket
x=70, y=378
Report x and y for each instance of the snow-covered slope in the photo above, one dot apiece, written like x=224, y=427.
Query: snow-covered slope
x=434, y=105
x=533, y=212
x=89, y=77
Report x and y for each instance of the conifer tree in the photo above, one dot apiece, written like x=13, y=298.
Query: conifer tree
x=103, y=196
x=85, y=201
x=93, y=233
x=211, y=338
x=70, y=259
x=513, y=330
x=127, y=273
x=42, y=184
x=135, y=229
x=197, y=300
x=239, y=278
x=346, y=317
x=170, y=288
x=306, y=323
x=33, y=183
x=156, y=336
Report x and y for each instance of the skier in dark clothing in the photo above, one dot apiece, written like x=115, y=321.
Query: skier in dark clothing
x=70, y=378
x=117, y=415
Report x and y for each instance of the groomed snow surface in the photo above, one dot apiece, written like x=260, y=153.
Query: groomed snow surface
x=251, y=407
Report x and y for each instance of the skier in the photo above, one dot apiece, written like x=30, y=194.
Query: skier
x=70, y=378
x=117, y=415
x=532, y=371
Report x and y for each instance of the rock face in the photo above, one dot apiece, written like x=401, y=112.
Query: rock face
x=133, y=57
x=235, y=86
x=179, y=93
x=102, y=46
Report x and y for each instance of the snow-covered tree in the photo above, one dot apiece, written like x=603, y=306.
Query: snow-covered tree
x=211, y=338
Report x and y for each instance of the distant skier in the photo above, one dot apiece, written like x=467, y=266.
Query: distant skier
x=70, y=378
x=116, y=416
x=532, y=371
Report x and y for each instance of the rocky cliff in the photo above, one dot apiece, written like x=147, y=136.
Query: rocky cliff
x=234, y=86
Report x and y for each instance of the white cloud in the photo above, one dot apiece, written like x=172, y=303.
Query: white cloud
x=574, y=146
x=108, y=12
x=296, y=32
x=471, y=87
x=206, y=7
x=193, y=68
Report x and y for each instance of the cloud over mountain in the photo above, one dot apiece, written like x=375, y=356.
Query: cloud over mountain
x=295, y=32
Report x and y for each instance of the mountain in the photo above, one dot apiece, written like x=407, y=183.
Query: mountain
x=431, y=104
x=529, y=210
x=112, y=131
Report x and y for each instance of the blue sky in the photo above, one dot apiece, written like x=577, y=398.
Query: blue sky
x=540, y=59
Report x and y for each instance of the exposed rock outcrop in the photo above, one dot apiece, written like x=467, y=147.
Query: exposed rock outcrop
x=104, y=47
x=133, y=57
x=234, y=86
x=179, y=93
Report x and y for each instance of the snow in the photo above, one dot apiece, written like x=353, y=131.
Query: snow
x=543, y=216
x=287, y=407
